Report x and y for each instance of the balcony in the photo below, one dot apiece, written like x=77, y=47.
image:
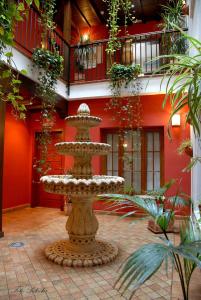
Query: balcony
x=87, y=63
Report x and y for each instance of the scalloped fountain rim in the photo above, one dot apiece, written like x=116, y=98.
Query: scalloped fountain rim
x=69, y=179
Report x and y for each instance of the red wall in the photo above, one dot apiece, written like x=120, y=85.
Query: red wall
x=101, y=32
x=17, y=162
x=18, y=156
x=152, y=115
x=19, y=141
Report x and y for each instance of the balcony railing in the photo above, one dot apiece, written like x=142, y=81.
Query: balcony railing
x=90, y=62
x=28, y=36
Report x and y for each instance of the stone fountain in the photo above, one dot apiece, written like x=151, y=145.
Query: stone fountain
x=82, y=249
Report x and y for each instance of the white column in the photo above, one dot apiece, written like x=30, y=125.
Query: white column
x=195, y=31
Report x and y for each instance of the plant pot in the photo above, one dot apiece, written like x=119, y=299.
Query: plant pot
x=189, y=151
x=185, y=10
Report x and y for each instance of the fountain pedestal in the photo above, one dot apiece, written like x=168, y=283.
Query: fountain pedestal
x=82, y=248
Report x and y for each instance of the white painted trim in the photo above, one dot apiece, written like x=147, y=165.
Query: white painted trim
x=21, y=61
x=150, y=85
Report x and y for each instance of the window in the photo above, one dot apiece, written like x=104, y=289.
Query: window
x=136, y=156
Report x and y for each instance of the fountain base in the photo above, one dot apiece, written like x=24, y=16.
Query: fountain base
x=66, y=253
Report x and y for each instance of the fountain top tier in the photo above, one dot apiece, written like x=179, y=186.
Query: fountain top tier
x=83, y=122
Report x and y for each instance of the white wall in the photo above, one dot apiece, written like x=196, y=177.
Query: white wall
x=195, y=31
x=150, y=85
x=20, y=61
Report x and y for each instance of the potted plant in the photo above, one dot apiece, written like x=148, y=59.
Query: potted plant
x=174, y=42
x=184, y=89
x=145, y=261
x=186, y=147
x=121, y=75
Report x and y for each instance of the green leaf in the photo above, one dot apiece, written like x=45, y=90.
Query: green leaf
x=20, y=7
x=29, y=2
x=164, y=219
x=6, y=74
x=141, y=265
x=1, y=30
x=37, y=3
x=16, y=81
x=23, y=71
x=8, y=54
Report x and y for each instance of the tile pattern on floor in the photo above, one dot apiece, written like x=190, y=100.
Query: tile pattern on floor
x=25, y=273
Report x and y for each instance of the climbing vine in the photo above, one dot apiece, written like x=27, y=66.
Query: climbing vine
x=10, y=14
x=126, y=111
x=50, y=66
x=114, y=7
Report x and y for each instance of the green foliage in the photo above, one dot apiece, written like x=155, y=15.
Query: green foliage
x=184, y=144
x=47, y=14
x=127, y=110
x=146, y=261
x=121, y=75
x=50, y=62
x=114, y=7
x=50, y=68
x=183, y=87
x=43, y=141
x=10, y=13
x=172, y=14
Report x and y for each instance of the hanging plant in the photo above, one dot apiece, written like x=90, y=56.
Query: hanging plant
x=114, y=7
x=173, y=15
x=121, y=76
x=186, y=147
x=43, y=141
x=50, y=67
x=10, y=14
x=126, y=111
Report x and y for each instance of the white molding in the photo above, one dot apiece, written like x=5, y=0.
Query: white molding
x=21, y=61
x=150, y=85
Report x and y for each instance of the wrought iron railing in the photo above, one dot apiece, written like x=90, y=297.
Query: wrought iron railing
x=90, y=62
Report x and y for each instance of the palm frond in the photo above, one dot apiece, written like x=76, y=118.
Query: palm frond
x=141, y=265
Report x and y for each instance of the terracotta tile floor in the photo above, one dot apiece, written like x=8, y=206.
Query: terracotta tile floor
x=25, y=273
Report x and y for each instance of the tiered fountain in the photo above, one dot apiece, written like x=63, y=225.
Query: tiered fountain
x=82, y=249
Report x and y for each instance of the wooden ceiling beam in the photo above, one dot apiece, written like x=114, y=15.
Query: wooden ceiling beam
x=96, y=11
x=142, y=12
x=81, y=13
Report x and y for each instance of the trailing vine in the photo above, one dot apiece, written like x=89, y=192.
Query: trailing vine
x=50, y=66
x=127, y=111
x=114, y=7
x=10, y=14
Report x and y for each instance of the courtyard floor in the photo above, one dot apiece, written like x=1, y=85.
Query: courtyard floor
x=25, y=273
